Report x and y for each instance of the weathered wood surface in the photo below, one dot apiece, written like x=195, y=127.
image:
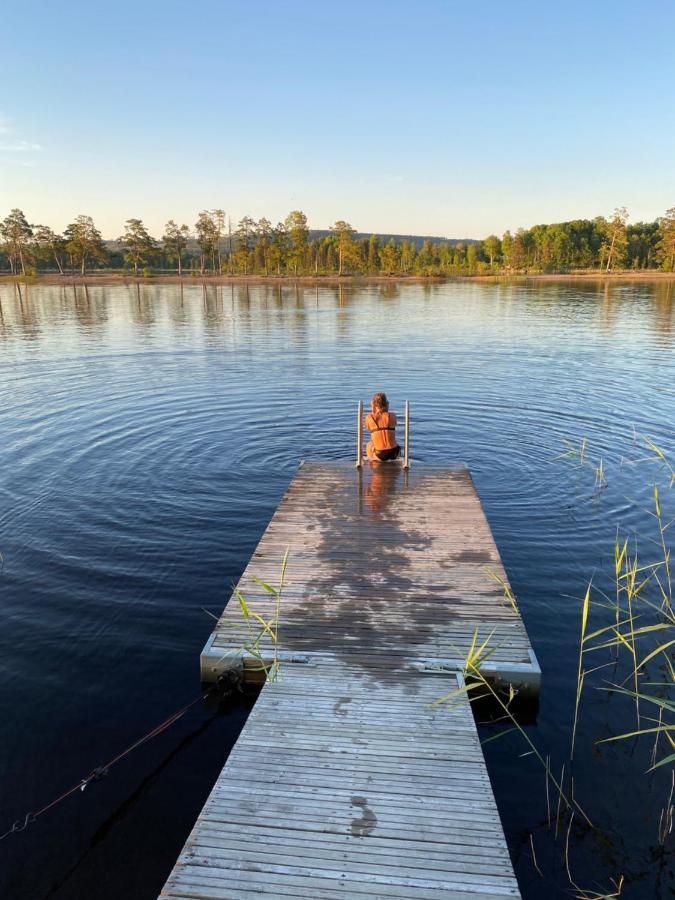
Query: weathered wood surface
x=344, y=785
x=383, y=567
x=348, y=780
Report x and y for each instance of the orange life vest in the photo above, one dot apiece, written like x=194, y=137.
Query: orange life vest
x=382, y=428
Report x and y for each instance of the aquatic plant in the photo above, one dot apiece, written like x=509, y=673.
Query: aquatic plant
x=600, y=474
x=472, y=680
x=644, y=591
x=581, y=674
x=660, y=456
x=572, y=451
x=262, y=635
x=506, y=587
x=576, y=453
x=474, y=685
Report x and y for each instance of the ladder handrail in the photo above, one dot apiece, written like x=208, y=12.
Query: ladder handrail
x=359, y=435
x=406, y=437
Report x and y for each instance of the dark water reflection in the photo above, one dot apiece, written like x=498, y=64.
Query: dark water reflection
x=147, y=434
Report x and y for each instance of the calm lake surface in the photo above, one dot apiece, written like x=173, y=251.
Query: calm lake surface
x=147, y=434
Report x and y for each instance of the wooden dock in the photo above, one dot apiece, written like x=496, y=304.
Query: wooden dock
x=347, y=779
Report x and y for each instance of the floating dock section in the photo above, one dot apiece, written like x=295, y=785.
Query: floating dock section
x=348, y=779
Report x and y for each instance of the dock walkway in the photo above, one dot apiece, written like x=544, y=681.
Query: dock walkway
x=347, y=780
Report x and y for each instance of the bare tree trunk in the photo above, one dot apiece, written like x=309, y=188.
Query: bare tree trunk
x=611, y=250
x=58, y=263
x=180, y=265
x=84, y=261
x=229, y=231
x=23, y=266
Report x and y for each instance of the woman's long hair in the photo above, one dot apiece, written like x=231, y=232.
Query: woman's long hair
x=380, y=402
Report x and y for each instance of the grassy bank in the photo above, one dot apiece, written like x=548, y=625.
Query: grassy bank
x=104, y=278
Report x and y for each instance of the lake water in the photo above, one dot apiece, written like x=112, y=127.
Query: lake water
x=147, y=434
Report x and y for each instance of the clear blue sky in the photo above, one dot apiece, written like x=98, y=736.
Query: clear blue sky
x=444, y=118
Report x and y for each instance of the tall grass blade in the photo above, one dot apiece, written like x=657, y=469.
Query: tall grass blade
x=580, y=670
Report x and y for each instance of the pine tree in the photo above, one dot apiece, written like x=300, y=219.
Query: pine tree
x=175, y=242
x=245, y=232
x=17, y=234
x=139, y=246
x=50, y=245
x=263, y=232
x=218, y=220
x=616, y=240
x=279, y=247
x=84, y=242
x=298, y=233
x=347, y=249
x=206, y=230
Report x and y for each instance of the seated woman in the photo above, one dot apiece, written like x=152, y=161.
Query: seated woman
x=382, y=427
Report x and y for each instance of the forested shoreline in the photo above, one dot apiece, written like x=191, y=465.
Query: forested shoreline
x=214, y=246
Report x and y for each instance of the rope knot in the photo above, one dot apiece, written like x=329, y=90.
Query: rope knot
x=95, y=775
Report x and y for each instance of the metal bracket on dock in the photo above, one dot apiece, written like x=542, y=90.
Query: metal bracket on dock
x=525, y=677
x=214, y=660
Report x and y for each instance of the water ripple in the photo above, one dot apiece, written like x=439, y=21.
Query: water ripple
x=147, y=435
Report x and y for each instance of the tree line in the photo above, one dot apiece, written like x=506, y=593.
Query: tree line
x=289, y=248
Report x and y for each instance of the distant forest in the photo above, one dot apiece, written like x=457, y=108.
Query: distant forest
x=213, y=246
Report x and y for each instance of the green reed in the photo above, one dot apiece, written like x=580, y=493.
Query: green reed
x=475, y=685
x=505, y=586
x=262, y=635
x=642, y=635
x=573, y=452
x=473, y=679
x=646, y=590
